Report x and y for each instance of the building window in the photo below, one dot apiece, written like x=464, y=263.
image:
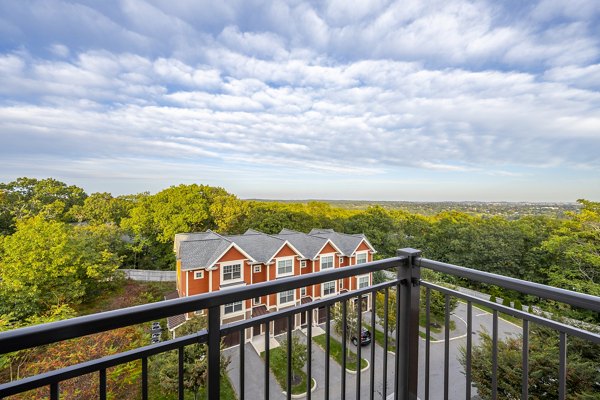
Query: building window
x=233, y=307
x=303, y=291
x=363, y=281
x=328, y=288
x=286, y=297
x=257, y=300
x=232, y=272
x=285, y=267
x=341, y=260
x=326, y=262
x=303, y=264
x=361, y=258
x=198, y=274
x=256, y=269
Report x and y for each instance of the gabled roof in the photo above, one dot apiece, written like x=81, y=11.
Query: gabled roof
x=347, y=243
x=204, y=249
x=309, y=246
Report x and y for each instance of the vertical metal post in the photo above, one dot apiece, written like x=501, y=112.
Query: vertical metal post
x=495, y=355
x=344, y=348
x=214, y=352
x=358, y=334
x=242, y=362
x=386, y=298
x=144, y=378
x=180, y=390
x=562, y=367
x=54, y=391
x=102, y=384
x=468, y=378
x=309, y=357
x=267, y=358
x=407, y=349
x=427, y=340
x=327, y=348
x=525, y=361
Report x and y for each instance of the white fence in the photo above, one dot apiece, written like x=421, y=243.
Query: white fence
x=150, y=275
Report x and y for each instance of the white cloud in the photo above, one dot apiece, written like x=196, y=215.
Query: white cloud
x=450, y=86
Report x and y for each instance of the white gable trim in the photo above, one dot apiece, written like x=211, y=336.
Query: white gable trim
x=238, y=248
x=282, y=246
x=321, y=249
x=368, y=245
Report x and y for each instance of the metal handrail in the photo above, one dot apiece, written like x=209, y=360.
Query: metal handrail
x=570, y=297
x=52, y=332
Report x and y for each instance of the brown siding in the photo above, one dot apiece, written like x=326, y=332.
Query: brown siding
x=259, y=276
x=328, y=249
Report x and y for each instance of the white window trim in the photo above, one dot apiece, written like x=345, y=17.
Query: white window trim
x=256, y=269
x=302, y=291
x=293, y=301
x=330, y=294
x=198, y=274
x=242, y=311
x=303, y=264
x=277, y=260
x=256, y=302
x=340, y=260
x=225, y=264
x=365, y=252
x=359, y=277
x=332, y=255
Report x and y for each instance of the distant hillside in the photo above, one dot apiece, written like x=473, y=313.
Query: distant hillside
x=510, y=210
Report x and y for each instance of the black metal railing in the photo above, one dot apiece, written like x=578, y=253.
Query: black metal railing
x=405, y=370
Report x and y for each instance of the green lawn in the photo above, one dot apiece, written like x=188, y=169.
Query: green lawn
x=278, y=364
x=336, y=352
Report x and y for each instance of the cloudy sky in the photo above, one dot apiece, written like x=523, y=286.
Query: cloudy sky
x=384, y=100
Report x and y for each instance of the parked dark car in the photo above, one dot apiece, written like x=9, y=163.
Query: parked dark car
x=365, y=338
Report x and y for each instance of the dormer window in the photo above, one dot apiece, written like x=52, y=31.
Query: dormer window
x=361, y=258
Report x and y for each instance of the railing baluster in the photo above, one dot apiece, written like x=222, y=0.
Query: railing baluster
x=344, y=339
x=468, y=379
x=562, y=367
x=289, y=357
x=214, y=352
x=525, y=361
x=359, y=347
x=267, y=350
x=144, y=378
x=54, y=391
x=495, y=355
x=180, y=387
x=102, y=383
x=309, y=356
x=242, y=362
x=446, y=346
x=385, y=341
x=373, y=327
x=398, y=344
x=427, y=340
x=327, y=349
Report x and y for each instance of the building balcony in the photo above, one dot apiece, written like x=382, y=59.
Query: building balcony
x=418, y=367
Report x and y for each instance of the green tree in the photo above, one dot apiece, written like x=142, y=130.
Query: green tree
x=28, y=197
x=380, y=311
x=101, y=208
x=351, y=319
x=195, y=359
x=46, y=263
x=155, y=219
x=583, y=367
x=299, y=356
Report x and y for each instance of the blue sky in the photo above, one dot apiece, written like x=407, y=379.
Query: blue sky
x=382, y=100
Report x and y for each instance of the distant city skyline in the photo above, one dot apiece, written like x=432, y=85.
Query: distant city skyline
x=448, y=100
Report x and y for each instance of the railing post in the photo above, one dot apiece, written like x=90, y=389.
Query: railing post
x=214, y=352
x=408, y=344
